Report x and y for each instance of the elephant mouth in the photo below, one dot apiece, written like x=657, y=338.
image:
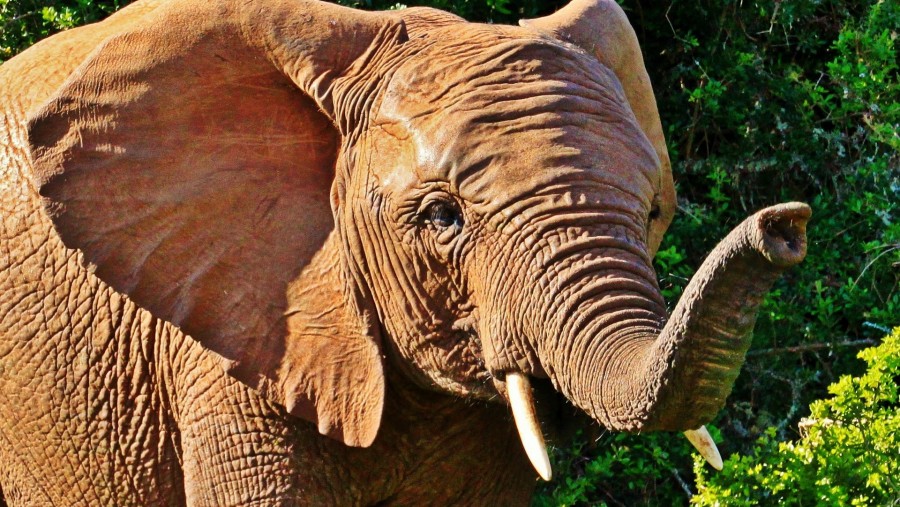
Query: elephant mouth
x=560, y=420
x=463, y=371
x=465, y=356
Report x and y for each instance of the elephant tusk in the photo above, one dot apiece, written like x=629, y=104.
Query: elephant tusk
x=522, y=404
x=704, y=444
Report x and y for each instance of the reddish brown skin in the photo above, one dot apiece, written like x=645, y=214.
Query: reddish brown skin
x=224, y=281
x=203, y=437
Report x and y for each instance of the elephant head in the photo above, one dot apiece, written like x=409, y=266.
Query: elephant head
x=319, y=194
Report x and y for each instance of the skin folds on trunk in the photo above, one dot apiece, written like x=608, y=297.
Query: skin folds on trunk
x=632, y=379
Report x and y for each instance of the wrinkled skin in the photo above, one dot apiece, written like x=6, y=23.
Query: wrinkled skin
x=229, y=228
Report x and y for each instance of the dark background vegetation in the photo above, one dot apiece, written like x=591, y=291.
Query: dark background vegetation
x=763, y=101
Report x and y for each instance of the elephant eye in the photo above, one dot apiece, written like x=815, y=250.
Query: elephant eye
x=443, y=214
x=654, y=212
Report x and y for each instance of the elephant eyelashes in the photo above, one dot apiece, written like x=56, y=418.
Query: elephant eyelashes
x=443, y=215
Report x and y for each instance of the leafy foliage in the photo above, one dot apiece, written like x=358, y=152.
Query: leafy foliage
x=620, y=468
x=848, y=453
x=764, y=101
x=24, y=22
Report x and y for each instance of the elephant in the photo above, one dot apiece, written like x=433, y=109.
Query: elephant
x=285, y=252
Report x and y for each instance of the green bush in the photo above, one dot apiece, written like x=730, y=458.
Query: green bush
x=849, y=452
x=621, y=469
x=24, y=22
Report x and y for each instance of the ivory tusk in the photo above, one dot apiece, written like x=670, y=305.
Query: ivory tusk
x=522, y=404
x=704, y=444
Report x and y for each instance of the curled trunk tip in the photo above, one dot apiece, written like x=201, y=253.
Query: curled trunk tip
x=780, y=233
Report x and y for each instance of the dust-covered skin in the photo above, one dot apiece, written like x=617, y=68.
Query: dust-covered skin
x=286, y=252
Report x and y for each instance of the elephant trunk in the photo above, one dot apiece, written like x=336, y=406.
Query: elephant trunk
x=630, y=376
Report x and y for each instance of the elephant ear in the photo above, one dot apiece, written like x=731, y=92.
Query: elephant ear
x=191, y=161
x=601, y=28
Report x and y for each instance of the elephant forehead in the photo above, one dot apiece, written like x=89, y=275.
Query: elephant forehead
x=474, y=67
x=503, y=108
